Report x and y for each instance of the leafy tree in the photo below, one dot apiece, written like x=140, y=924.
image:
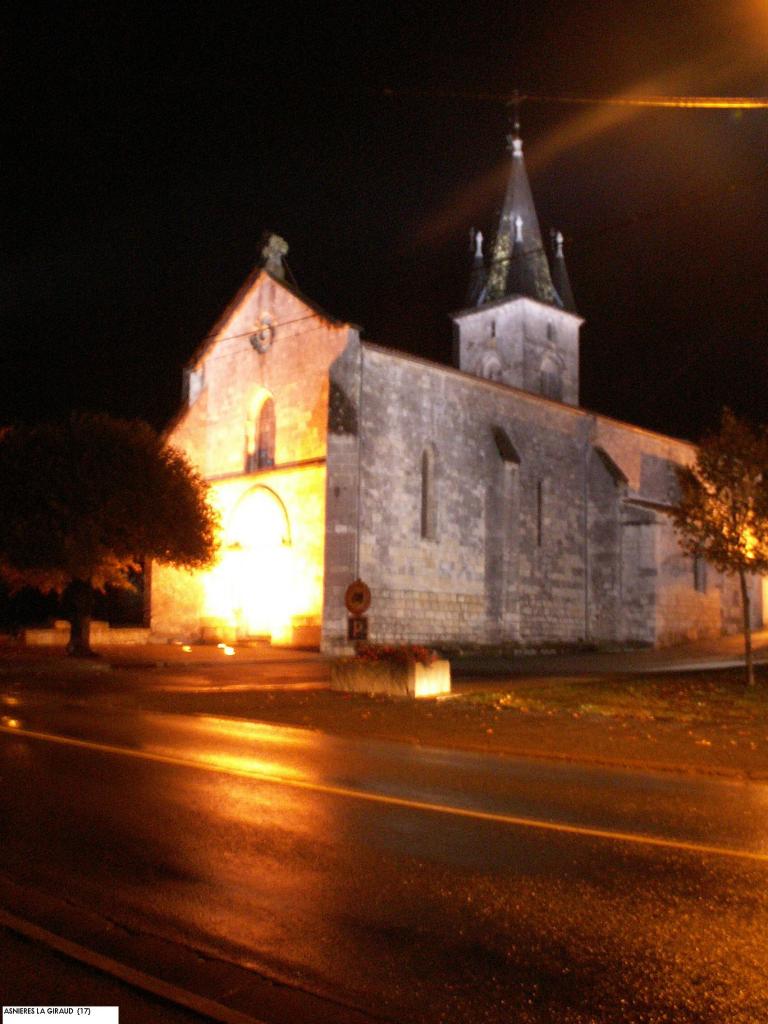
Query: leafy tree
x=722, y=514
x=83, y=503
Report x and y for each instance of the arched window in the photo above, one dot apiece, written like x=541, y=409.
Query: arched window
x=551, y=379
x=491, y=368
x=260, y=447
x=428, y=502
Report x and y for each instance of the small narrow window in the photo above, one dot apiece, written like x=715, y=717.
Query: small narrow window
x=493, y=328
x=539, y=513
x=551, y=333
x=699, y=574
x=428, y=504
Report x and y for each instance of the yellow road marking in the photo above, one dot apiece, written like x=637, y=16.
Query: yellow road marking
x=393, y=801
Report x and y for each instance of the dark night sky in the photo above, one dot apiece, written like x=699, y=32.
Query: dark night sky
x=148, y=150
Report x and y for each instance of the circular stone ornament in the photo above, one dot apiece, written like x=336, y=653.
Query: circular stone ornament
x=264, y=335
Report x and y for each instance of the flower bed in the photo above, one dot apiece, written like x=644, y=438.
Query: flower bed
x=405, y=671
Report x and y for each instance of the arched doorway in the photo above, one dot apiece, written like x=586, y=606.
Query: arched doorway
x=257, y=553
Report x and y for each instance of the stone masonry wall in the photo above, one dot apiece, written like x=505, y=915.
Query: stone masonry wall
x=639, y=575
x=555, y=535
x=682, y=613
x=603, y=548
x=341, y=522
x=446, y=589
x=516, y=334
x=659, y=601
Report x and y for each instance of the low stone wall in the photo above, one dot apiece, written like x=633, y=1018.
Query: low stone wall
x=395, y=679
x=101, y=633
x=304, y=632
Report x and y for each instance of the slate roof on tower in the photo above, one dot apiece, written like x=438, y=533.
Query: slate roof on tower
x=518, y=260
x=519, y=264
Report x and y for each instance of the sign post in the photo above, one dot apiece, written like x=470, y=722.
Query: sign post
x=357, y=598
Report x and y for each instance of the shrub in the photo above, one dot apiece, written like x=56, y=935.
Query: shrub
x=399, y=654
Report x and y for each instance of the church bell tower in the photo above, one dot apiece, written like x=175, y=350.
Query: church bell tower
x=520, y=327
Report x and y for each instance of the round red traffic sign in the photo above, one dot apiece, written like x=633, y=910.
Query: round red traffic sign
x=357, y=598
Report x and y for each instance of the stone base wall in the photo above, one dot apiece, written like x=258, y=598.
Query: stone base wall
x=684, y=615
x=424, y=617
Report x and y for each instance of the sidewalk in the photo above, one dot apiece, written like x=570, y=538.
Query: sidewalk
x=727, y=651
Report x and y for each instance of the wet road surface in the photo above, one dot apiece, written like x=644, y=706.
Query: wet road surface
x=418, y=884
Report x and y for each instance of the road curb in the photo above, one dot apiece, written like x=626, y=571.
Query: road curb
x=187, y=975
x=128, y=975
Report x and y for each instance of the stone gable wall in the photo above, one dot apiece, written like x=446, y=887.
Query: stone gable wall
x=233, y=375
x=643, y=456
x=681, y=612
x=226, y=385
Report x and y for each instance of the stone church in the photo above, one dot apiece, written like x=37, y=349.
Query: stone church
x=479, y=503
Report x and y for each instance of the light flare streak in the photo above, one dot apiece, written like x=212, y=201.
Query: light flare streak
x=679, y=102
x=600, y=114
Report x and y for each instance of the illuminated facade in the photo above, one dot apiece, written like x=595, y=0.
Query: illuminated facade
x=255, y=425
x=479, y=503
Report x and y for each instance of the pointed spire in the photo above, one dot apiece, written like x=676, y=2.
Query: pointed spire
x=560, y=277
x=519, y=263
x=477, y=277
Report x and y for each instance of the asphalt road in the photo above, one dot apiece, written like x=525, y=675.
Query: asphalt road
x=418, y=885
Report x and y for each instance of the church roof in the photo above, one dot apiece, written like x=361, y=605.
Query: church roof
x=576, y=411
x=519, y=264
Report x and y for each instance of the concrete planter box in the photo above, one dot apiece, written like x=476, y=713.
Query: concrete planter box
x=398, y=680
